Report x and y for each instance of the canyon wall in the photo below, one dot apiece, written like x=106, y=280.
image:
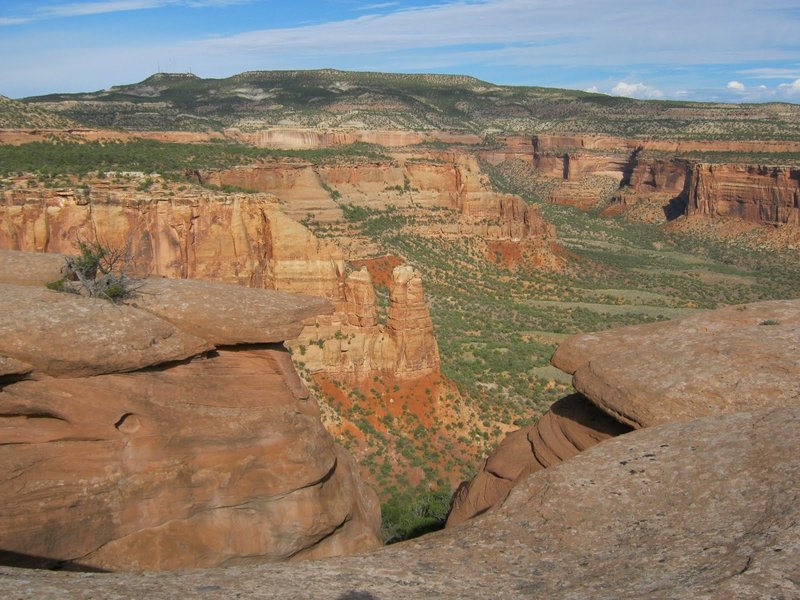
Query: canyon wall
x=243, y=239
x=292, y=138
x=758, y=194
x=283, y=138
x=169, y=433
x=352, y=345
x=751, y=192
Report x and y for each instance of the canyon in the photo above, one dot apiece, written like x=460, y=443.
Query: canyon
x=355, y=305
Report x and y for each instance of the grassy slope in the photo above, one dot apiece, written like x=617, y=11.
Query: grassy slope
x=16, y=115
x=329, y=98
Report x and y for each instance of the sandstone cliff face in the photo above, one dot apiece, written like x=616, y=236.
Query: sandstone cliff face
x=754, y=193
x=239, y=238
x=625, y=381
x=353, y=346
x=572, y=425
x=292, y=138
x=443, y=180
x=660, y=175
x=757, y=194
x=173, y=454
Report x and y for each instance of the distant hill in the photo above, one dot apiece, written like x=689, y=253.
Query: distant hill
x=18, y=115
x=337, y=99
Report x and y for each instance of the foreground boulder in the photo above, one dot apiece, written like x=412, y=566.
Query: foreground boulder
x=734, y=359
x=192, y=444
x=572, y=425
x=704, y=509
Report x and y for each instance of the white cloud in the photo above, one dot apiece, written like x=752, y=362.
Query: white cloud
x=536, y=32
x=790, y=88
x=636, y=90
x=736, y=86
x=593, y=90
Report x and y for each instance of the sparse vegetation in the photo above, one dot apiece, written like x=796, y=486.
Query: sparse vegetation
x=97, y=272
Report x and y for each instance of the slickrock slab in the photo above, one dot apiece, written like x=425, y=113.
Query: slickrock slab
x=227, y=314
x=29, y=268
x=572, y=425
x=730, y=360
x=577, y=350
x=683, y=510
x=72, y=336
x=206, y=463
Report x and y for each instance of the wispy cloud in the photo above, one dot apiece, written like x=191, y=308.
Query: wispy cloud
x=772, y=73
x=568, y=43
x=82, y=9
x=791, y=88
x=535, y=32
x=378, y=5
x=4, y=21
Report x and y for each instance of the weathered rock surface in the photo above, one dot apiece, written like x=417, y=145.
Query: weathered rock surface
x=352, y=345
x=71, y=336
x=707, y=370
x=754, y=193
x=409, y=324
x=217, y=460
x=683, y=510
x=628, y=381
x=27, y=268
x=572, y=425
x=10, y=366
x=226, y=315
x=294, y=138
x=242, y=239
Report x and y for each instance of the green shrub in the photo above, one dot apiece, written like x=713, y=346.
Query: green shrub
x=97, y=272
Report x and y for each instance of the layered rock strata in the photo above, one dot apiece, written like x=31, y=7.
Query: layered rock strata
x=626, y=381
x=752, y=192
x=352, y=345
x=681, y=510
x=758, y=194
x=169, y=433
x=239, y=238
x=572, y=425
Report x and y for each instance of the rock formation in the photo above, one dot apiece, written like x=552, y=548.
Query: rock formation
x=409, y=325
x=232, y=238
x=752, y=192
x=758, y=194
x=621, y=370
x=572, y=425
x=169, y=433
x=353, y=346
x=682, y=510
x=293, y=138
x=626, y=381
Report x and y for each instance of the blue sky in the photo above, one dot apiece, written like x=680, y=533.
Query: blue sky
x=732, y=50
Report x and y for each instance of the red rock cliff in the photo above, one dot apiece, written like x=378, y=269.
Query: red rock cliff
x=754, y=193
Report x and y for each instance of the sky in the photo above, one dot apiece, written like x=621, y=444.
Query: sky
x=710, y=50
